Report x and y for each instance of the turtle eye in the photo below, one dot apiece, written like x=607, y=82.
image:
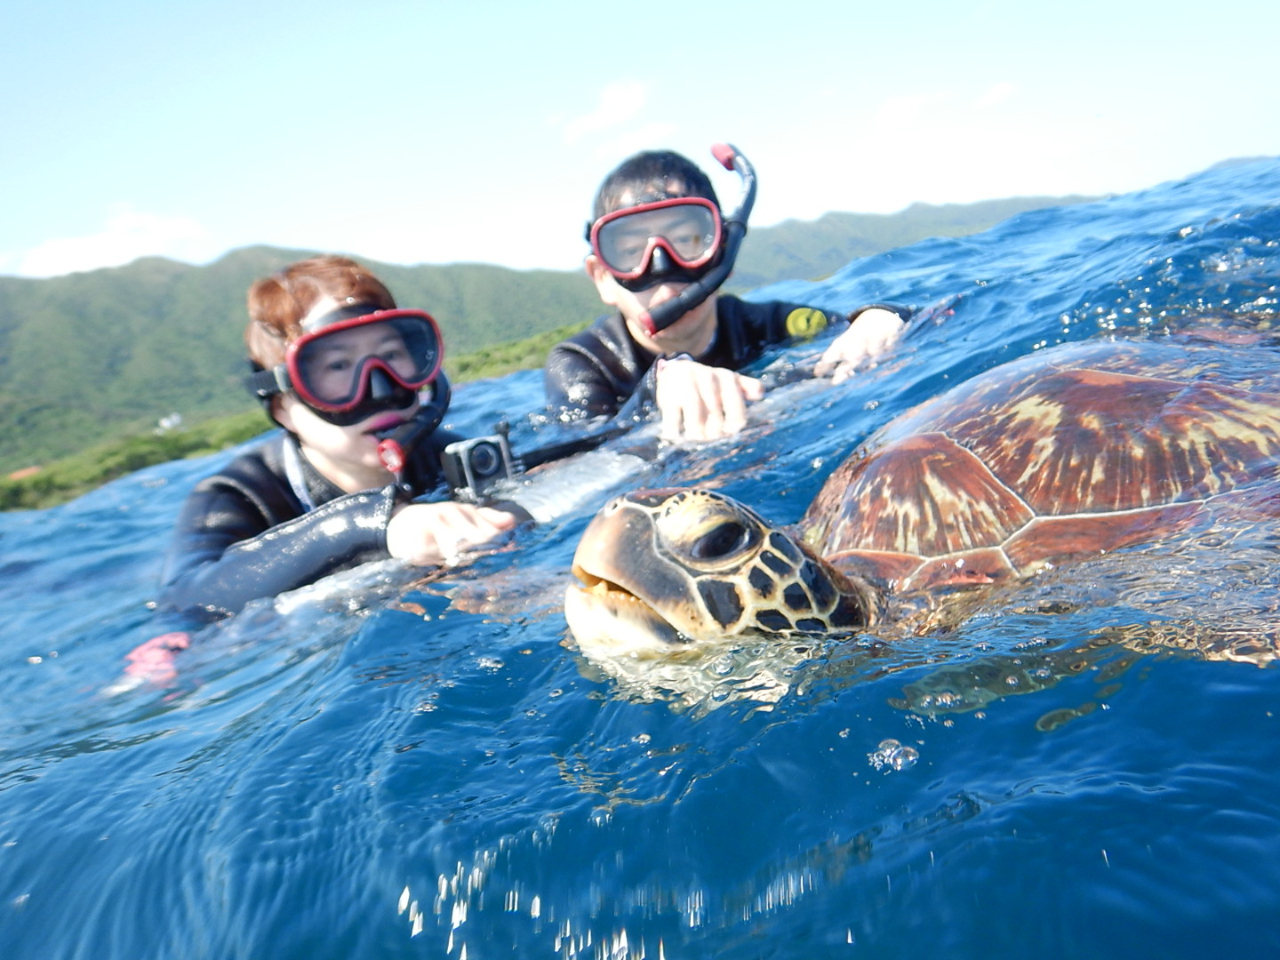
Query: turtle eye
x=723, y=540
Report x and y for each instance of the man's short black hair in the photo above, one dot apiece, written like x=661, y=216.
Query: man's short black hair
x=649, y=176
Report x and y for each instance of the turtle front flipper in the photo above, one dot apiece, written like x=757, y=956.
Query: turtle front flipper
x=667, y=568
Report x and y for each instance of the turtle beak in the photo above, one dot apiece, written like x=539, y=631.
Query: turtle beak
x=629, y=597
x=600, y=586
x=619, y=547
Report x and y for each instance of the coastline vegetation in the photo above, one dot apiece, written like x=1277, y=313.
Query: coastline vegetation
x=68, y=477
x=91, y=362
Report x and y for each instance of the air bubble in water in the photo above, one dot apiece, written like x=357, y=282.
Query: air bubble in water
x=894, y=755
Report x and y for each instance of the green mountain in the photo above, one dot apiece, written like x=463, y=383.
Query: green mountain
x=106, y=353
x=810, y=250
x=109, y=352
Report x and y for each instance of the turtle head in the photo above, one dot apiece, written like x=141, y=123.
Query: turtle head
x=665, y=569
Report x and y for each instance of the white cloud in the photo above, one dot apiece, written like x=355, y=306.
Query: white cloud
x=995, y=94
x=127, y=235
x=619, y=102
x=904, y=112
x=942, y=146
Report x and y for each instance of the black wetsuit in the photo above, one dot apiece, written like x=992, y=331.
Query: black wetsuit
x=269, y=522
x=594, y=373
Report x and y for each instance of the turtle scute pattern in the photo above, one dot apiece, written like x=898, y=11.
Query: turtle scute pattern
x=1112, y=445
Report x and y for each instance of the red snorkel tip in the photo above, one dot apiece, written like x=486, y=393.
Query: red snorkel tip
x=646, y=323
x=725, y=154
x=391, y=453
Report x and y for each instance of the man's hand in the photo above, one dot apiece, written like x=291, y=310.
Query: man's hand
x=872, y=334
x=435, y=533
x=698, y=402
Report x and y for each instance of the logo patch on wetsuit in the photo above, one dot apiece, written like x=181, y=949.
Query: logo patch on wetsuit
x=805, y=322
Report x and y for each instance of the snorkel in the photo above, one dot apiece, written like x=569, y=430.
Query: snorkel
x=735, y=228
x=396, y=445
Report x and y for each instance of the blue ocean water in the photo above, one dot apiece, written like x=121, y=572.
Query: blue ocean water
x=380, y=767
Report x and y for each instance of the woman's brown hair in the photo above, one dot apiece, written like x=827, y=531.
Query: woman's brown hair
x=278, y=303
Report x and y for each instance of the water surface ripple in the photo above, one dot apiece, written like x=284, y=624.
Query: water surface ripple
x=383, y=768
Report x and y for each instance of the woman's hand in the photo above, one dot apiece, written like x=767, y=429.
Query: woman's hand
x=873, y=333
x=436, y=533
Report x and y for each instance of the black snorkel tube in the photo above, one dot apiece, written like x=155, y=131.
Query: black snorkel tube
x=735, y=228
x=395, y=445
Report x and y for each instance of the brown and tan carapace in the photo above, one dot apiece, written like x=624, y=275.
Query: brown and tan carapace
x=1056, y=456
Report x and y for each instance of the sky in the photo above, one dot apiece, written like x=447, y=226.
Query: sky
x=438, y=131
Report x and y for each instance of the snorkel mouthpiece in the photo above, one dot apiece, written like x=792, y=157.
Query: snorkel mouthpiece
x=735, y=228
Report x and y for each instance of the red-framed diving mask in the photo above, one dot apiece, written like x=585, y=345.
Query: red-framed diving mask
x=668, y=240
x=352, y=362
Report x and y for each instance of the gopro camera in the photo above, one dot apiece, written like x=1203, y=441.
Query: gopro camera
x=473, y=466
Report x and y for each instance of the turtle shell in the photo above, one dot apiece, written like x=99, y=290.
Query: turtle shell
x=1071, y=452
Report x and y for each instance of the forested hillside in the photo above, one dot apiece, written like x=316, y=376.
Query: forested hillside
x=106, y=353
x=109, y=352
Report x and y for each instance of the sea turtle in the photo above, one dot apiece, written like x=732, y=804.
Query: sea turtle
x=1064, y=453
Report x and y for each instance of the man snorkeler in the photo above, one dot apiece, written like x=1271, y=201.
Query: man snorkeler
x=660, y=248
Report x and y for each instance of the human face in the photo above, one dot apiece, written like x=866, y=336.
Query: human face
x=691, y=334
x=347, y=456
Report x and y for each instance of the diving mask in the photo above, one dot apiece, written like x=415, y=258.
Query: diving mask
x=668, y=240
x=352, y=362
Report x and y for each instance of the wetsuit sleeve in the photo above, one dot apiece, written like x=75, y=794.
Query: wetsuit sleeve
x=227, y=550
x=594, y=372
x=904, y=313
x=576, y=386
